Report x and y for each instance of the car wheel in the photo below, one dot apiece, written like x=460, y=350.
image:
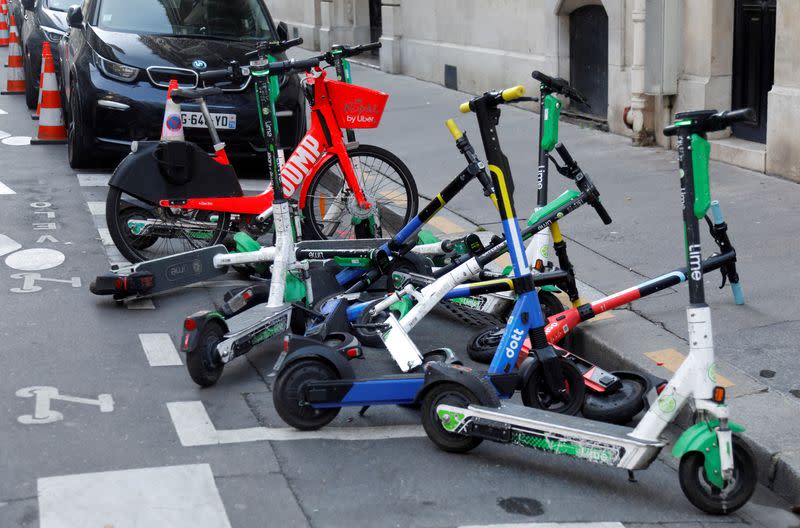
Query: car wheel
x=31, y=93
x=79, y=138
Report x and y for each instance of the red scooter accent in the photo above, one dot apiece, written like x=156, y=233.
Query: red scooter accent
x=336, y=105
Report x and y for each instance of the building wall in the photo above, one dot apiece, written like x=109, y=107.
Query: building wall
x=497, y=43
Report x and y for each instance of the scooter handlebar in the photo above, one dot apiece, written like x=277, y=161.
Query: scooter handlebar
x=454, y=130
x=601, y=211
x=495, y=98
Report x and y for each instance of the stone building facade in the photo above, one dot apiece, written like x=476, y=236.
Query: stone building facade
x=638, y=61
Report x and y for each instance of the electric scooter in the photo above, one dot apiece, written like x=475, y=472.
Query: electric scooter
x=717, y=470
x=315, y=381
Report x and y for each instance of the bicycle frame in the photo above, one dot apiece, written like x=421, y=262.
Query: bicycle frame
x=323, y=141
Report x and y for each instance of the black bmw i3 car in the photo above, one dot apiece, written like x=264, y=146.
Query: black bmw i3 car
x=118, y=58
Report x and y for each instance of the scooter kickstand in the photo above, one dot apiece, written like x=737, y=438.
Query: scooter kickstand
x=631, y=476
x=363, y=410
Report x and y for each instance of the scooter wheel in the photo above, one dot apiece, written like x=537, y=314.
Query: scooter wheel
x=287, y=394
x=620, y=406
x=482, y=346
x=454, y=394
x=367, y=336
x=202, y=360
x=710, y=498
x=536, y=394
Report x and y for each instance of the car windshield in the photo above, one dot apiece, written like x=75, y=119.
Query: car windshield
x=60, y=5
x=231, y=19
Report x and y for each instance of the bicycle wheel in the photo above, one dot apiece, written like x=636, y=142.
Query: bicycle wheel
x=144, y=231
x=331, y=210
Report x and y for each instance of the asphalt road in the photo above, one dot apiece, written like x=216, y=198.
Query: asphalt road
x=101, y=426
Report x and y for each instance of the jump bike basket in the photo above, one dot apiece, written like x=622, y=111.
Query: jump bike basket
x=356, y=106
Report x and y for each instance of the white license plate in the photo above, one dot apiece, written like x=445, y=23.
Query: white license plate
x=196, y=120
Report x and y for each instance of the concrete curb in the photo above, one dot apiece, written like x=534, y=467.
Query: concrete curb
x=619, y=343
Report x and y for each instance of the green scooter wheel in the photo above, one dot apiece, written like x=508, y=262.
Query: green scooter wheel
x=708, y=497
x=452, y=394
x=202, y=360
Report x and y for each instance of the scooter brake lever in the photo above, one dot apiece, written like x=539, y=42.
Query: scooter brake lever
x=562, y=169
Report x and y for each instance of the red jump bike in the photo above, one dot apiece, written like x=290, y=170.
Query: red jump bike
x=170, y=197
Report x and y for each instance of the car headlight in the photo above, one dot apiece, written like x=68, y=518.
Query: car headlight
x=115, y=70
x=52, y=34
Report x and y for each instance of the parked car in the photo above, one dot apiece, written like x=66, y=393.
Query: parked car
x=118, y=57
x=44, y=20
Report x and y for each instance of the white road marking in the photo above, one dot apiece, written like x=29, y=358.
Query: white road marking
x=140, y=304
x=160, y=350
x=3, y=112
x=174, y=496
x=29, y=279
x=194, y=428
x=47, y=238
x=8, y=245
x=43, y=414
x=105, y=236
x=93, y=180
x=4, y=134
x=5, y=189
x=35, y=259
x=550, y=525
x=17, y=141
x=97, y=208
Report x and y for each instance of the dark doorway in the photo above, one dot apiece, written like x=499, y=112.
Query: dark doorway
x=375, y=28
x=588, y=58
x=753, y=64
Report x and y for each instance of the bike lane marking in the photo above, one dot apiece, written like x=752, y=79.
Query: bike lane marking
x=5, y=189
x=177, y=496
x=160, y=350
x=194, y=428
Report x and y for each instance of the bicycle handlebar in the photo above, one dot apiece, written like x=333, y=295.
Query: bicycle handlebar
x=296, y=65
x=349, y=51
x=708, y=120
x=274, y=46
x=494, y=98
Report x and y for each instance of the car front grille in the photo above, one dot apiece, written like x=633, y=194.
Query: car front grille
x=160, y=76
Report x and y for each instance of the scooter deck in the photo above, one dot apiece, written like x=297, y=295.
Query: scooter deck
x=183, y=269
x=335, y=244
x=251, y=327
x=557, y=433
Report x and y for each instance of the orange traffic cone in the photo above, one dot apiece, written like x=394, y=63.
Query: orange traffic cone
x=15, y=83
x=4, y=36
x=12, y=32
x=46, y=52
x=172, y=127
x=51, y=122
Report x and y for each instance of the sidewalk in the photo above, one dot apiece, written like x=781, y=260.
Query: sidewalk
x=756, y=343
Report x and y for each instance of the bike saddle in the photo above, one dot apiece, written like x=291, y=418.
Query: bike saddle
x=182, y=95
